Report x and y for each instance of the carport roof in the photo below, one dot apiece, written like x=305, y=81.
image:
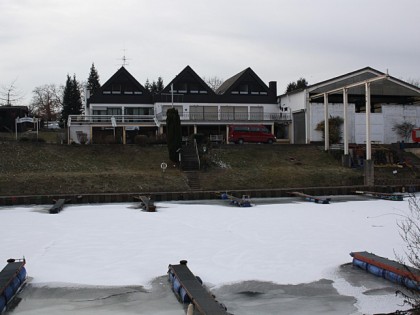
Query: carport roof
x=388, y=90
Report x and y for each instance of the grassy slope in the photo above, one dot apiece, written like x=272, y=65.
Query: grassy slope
x=30, y=168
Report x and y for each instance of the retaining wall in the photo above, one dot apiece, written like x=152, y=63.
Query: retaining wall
x=196, y=195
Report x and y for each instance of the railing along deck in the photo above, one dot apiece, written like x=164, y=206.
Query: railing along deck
x=111, y=120
x=151, y=120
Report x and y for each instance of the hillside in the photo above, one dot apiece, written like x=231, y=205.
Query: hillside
x=28, y=168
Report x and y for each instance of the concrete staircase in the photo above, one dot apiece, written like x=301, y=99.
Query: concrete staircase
x=190, y=164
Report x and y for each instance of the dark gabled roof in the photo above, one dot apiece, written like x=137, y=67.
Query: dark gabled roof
x=188, y=74
x=123, y=78
x=187, y=78
x=233, y=82
x=226, y=85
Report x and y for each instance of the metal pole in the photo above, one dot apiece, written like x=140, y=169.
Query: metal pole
x=345, y=133
x=368, y=128
x=326, y=124
x=172, y=95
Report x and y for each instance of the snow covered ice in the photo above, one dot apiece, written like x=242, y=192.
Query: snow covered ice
x=297, y=243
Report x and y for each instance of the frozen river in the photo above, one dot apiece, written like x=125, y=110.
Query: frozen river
x=281, y=256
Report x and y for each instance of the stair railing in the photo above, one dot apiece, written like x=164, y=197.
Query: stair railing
x=196, y=152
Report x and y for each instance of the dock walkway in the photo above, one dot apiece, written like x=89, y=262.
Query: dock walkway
x=203, y=302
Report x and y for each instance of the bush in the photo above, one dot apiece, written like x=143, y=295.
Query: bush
x=334, y=128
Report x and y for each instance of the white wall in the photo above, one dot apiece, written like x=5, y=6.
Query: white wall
x=397, y=114
x=294, y=101
x=376, y=128
x=317, y=116
x=381, y=123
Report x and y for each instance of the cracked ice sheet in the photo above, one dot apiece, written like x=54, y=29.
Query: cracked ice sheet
x=116, y=245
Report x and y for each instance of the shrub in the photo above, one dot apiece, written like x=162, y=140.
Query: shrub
x=334, y=127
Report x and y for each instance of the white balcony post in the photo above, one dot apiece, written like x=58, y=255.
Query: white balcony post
x=368, y=128
x=345, y=133
x=326, y=124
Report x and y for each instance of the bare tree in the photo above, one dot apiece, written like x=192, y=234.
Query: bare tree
x=9, y=95
x=409, y=230
x=415, y=82
x=47, y=101
x=213, y=82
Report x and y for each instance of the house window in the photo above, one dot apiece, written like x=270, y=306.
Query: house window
x=128, y=89
x=194, y=88
x=196, y=112
x=241, y=113
x=243, y=89
x=256, y=113
x=116, y=89
x=211, y=113
x=114, y=111
x=138, y=111
x=182, y=88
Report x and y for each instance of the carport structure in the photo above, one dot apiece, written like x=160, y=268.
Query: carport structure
x=367, y=91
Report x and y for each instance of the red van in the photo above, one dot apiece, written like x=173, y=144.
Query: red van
x=250, y=133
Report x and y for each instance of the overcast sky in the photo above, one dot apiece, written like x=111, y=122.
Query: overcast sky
x=41, y=41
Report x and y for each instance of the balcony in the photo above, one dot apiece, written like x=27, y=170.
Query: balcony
x=229, y=117
x=111, y=120
x=152, y=120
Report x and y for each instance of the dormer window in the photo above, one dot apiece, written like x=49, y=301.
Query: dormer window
x=128, y=90
x=116, y=89
x=193, y=88
x=182, y=88
x=243, y=89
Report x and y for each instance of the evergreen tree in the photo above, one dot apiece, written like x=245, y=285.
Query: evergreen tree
x=93, y=81
x=147, y=85
x=173, y=133
x=156, y=86
x=299, y=84
x=153, y=87
x=72, y=99
x=159, y=85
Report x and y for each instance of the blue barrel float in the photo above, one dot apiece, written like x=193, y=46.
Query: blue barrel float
x=12, y=279
x=388, y=269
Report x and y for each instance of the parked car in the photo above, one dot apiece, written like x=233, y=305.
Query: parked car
x=250, y=133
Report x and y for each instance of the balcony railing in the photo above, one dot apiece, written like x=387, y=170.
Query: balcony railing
x=227, y=117
x=111, y=120
x=152, y=120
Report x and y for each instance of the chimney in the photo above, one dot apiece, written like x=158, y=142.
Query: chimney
x=272, y=89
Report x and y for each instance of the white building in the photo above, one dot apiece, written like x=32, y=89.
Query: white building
x=392, y=101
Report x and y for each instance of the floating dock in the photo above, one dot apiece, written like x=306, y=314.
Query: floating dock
x=146, y=203
x=58, y=206
x=189, y=290
x=12, y=279
x=311, y=198
x=388, y=269
x=381, y=195
x=245, y=201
